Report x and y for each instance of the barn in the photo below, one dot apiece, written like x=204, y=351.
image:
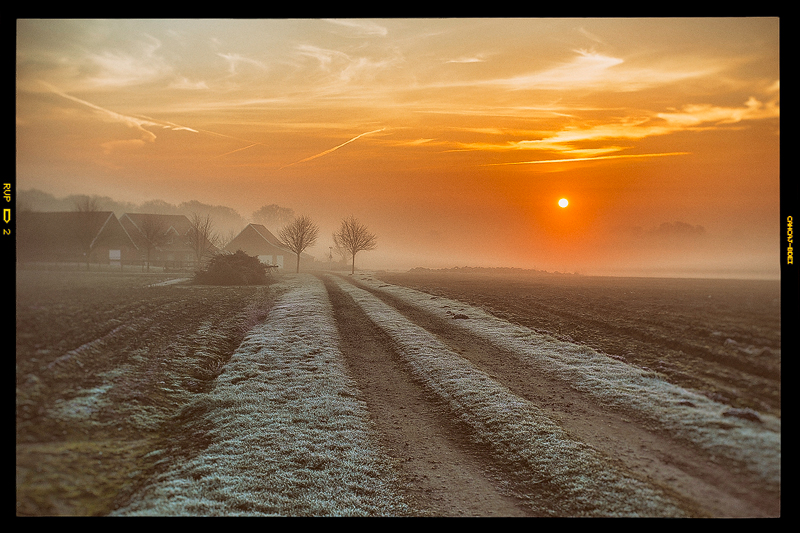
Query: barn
x=72, y=236
x=257, y=240
x=163, y=240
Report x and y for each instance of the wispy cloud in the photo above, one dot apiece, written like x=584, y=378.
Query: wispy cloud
x=122, y=68
x=235, y=60
x=594, y=70
x=572, y=140
x=467, y=59
x=578, y=159
x=586, y=68
x=341, y=71
x=361, y=28
x=695, y=115
x=183, y=82
x=332, y=149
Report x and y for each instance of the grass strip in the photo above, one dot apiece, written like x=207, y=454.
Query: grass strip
x=286, y=434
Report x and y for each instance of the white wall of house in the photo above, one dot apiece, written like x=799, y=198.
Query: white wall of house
x=271, y=260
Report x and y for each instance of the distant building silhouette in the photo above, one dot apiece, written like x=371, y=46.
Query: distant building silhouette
x=257, y=240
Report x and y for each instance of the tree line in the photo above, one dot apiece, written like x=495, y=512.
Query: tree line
x=299, y=233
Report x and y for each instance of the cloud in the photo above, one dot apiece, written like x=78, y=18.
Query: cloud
x=587, y=68
x=346, y=68
x=361, y=28
x=774, y=88
x=696, y=115
x=184, y=83
x=110, y=146
x=235, y=60
x=598, y=158
x=586, y=33
x=572, y=140
x=121, y=69
x=632, y=128
x=597, y=71
x=470, y=59
x=567, y=140
x=414, y=142
x=678, y=229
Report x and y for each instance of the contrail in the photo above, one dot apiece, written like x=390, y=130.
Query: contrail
x=139, y=123
x=237, y=150
x=331, y=150
x=131, y=121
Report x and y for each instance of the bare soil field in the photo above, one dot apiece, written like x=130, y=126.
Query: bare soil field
x=325, y=394
x=721, y=337
x=104, y=364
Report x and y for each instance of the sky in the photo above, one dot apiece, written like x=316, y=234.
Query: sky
x=452, y=139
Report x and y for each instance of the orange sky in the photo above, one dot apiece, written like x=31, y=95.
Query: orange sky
x=453, y=139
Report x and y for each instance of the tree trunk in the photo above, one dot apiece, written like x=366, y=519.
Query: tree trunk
x=298, y=262
x=353, y=270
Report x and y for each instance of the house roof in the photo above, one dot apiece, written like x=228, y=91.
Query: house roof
x=267, y=235
x=136, y=226
x=68, y=232
x=256, y=239
x=178, y=223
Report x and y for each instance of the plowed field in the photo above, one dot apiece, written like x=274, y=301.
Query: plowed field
x=421, y=394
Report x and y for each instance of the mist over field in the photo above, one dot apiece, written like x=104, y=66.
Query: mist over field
x=671, y=249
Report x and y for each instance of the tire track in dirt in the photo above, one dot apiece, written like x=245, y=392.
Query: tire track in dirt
x=443, y=474
x=704, y=485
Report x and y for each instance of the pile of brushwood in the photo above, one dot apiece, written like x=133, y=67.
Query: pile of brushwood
x=232, y=269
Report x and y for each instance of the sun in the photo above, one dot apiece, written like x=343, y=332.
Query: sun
x=563, y=202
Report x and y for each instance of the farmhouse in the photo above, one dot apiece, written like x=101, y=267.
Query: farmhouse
x=164, y=240
x=257, y=240
x=72, y=236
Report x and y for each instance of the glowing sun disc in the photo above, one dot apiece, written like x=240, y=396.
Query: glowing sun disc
x=563, y=202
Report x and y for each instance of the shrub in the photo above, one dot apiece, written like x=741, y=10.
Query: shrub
x=232, y=269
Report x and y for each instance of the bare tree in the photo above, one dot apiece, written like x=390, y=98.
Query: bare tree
x=88, y=222
x=354, y=237
x=153, y=230
x=202, y=236
x=298, y=235
x=344, y=255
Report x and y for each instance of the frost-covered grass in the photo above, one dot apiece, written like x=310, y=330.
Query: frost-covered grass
x=286, y=434
x=686, y=414
x=556, y=473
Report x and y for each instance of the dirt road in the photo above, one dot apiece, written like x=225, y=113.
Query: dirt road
x=446, y=473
